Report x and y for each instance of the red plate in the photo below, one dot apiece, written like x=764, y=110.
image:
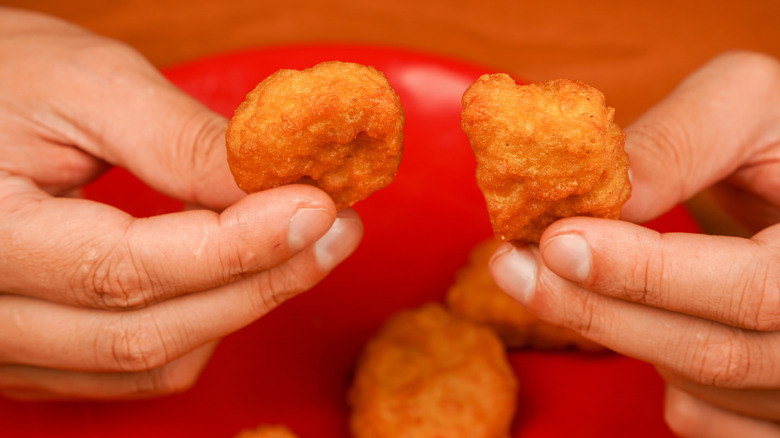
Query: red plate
x=294, y=365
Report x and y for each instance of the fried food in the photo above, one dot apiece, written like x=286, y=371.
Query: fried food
x=544, y=151
x=431, y=374
x=474, y=295
x=337, y=126
x=267, y=431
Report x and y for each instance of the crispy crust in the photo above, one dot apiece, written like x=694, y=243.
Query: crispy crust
x=337, y=126
x=544, y=152
x=429, y=373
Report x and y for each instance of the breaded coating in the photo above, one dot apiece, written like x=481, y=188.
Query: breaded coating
x=474, y=295
x=431, y=374
x=337, y=126
x=267, y=431
x=544, y=151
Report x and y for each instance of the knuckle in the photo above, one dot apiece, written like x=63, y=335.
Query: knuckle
x=579, y=314
x=115, y=280
x=136, y=344
x=648, y=280
x=759, y=292
x=277, y=285
x=724, y=361
x=237, y=261
x=661, y=140
x=277, y=289
x=198, y=145
x=645, y=278
x=114, y=284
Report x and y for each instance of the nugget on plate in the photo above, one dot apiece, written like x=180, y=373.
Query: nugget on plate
x=267, y=431
x=544, y=151
x=474, y=295
x=431, y=374
x=337, y=126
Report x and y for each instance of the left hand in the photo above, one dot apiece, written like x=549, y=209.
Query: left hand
x=95, y=303
x=705, y=310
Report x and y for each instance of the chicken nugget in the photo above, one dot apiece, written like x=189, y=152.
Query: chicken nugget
x=432, y=374
x=267, y=431
x=337, y=126
x=474, y=295
x=544, y=151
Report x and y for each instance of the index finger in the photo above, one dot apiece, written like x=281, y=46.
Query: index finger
x=727, y=279
x=696, y=348
x=84, y=253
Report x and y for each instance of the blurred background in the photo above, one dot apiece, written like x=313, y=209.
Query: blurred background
x=635, y=52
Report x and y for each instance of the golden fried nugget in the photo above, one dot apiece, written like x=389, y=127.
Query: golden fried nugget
x=432, y=374
x=267, y=431
x=475, y=296
x=544, y=151
x=337, y=126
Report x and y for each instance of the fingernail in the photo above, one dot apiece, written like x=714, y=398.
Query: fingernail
x=340, y=241
x=568, y=255
x=306, y=226
x=514, y=271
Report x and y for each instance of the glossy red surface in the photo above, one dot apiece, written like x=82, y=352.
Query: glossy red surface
x=294, y=365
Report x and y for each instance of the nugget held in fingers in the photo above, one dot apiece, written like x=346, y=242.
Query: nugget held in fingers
x=475, y=296
x=431, y=374
x=337, y=126
x=544, y=151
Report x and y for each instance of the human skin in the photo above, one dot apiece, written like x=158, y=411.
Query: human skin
x=95, y=303
x=705, y=310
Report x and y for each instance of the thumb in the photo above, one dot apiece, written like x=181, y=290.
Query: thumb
x=126, y=113
x=705, y=130
x=171, y=142
x=187, y=158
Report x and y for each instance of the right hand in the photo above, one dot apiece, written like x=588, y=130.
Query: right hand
x=705, y=310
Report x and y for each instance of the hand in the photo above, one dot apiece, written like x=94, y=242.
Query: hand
x=705, y=310
x=95, y=303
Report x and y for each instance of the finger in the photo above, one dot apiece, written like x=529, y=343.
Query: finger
x=106, y=99
x=759, y=404
x=732, y=280
x=729, y=106
x=45, y=334
x=87, y=254
x=34, y=383
x=689, y=417
x=697, y=349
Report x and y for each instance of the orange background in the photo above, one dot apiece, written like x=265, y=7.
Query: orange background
x=633, y=51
